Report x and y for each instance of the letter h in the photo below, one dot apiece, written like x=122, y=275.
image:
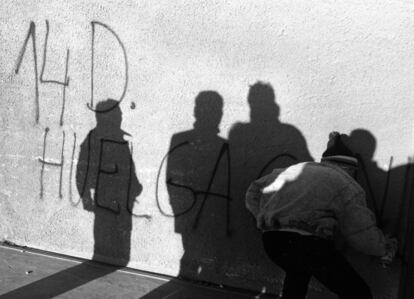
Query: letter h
x=50, y=163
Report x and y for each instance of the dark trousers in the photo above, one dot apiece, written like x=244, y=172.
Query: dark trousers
x=303, y=256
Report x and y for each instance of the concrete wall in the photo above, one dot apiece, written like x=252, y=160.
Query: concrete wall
x=271, y=79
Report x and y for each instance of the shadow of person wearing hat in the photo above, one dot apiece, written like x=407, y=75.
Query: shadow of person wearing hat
x=389, y=195
x=371, y=177
x=301, y=208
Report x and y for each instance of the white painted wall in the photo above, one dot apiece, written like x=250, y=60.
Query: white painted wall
x=333, y=66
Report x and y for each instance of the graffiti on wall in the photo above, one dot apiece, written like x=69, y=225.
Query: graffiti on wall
x=206, y=175
x=223, y=155
x=64, y=84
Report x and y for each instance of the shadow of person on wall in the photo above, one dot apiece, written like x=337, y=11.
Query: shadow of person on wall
x=389, y=194
x=370, y=176
x=386, y=190
x=198, y=184
x=257, y=147
x=198, y=181
x=265, y=142
x=108, y=186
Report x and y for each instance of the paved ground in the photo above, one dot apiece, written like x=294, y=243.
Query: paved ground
x=26, y=273
x=33, y=274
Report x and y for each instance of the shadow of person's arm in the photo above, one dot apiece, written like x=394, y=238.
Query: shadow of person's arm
x=135, y=188
x=303, y=154
x=83, y=175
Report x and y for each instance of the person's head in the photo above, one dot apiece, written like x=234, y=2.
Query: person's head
x=337, y=153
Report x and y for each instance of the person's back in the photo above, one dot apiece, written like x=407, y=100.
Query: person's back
x=303, y=196
x=300, y=208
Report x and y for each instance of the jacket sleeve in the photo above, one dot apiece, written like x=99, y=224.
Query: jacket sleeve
x=358, y=225
x=255, y=192
x=253, y=196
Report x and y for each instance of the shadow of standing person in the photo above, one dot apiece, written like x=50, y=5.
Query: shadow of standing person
x=265, y=142
x=370, y=176
x=108, y=186
x=257, y=147
x=385, y=189
x=389, y=195
x=197, y=181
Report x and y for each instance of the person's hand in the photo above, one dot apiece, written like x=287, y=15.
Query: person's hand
x=391, y=246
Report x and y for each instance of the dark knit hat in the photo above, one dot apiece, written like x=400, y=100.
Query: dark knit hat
x=338, y=152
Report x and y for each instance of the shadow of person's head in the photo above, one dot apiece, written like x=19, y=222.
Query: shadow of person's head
x=112, y=115
x=363, y=143
x=262, y=102
x=208, y=111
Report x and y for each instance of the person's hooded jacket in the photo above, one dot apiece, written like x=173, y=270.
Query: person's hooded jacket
x=319, y=199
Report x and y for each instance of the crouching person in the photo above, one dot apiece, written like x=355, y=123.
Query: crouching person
x=302, y=207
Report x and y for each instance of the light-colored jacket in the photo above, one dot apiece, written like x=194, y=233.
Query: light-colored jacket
x=318, y=198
